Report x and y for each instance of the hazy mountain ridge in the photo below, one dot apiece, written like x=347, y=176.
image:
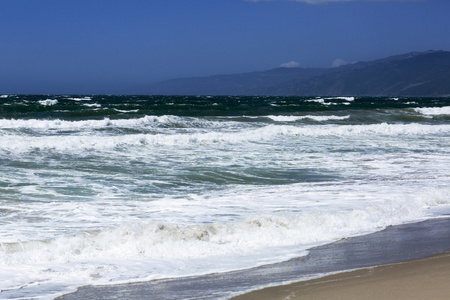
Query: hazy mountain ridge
x=412, y=74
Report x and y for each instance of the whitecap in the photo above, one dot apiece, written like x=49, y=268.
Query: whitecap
x=48, y=102
x=433, y=111
x=342, y=98
x=92, y=105
x=126, y=111
x=312, y=117
x=80, y=99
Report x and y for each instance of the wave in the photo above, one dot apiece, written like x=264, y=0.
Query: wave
x=79, y=98
x=342, y=98
x=97, y=105
x=246, y=135
x=433, y=111
x=48, y=102
x=310, y=117
x=151, y=250
x=147, y=121
x=192, y=122
x=126, y=111
x=329, y=101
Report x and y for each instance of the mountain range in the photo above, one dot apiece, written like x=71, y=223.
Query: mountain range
x=415, y=74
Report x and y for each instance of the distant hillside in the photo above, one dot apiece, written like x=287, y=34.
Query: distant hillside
x=412, y=74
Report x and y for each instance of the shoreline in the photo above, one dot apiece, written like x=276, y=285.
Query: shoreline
x=392, y=245
x=426, y=278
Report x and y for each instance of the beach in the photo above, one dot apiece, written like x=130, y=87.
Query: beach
x=426, y=278
x=390, y=264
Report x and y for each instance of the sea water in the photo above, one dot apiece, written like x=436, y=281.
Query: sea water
x=117, y=189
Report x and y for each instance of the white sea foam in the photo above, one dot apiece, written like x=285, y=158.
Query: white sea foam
x=251, y=135
x=80, y=99
x=148, y=250
x=433, y=111
x=126, y=111
x=311, y=117
x=322, y=101
x=328, y=101
x=342, y=98
x=152, y=121
x=48, y=102
x=318, y=100
x=155, y=121
x=92, y=105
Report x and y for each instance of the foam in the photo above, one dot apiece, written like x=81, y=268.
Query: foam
x=329, y=100
x=350, y=99
x=154, y=121
x=85, y=141
x=147, y=121
x=318, y=100
x=311, y=117
x=48, y=102
x=434, y=111
x=151, y=250
x=126, y=111
x=80, y=99
x=168, y=121
x=92, y=105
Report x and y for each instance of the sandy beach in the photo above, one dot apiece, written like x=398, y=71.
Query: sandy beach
x=426, y=278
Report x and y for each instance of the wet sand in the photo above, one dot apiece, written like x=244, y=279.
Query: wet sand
x=427, y=278
x=394, y=244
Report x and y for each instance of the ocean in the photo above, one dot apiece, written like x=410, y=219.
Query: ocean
x=98, y=190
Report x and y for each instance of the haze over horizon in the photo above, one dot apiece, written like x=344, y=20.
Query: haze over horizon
x=95, y=47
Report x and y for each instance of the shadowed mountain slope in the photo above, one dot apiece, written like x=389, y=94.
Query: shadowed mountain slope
x=412, y=74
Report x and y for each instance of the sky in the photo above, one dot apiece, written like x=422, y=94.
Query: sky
x=108, y=46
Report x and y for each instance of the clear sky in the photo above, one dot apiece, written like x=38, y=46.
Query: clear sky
x=104, y=46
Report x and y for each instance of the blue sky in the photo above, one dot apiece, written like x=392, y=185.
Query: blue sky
x=104, y=46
